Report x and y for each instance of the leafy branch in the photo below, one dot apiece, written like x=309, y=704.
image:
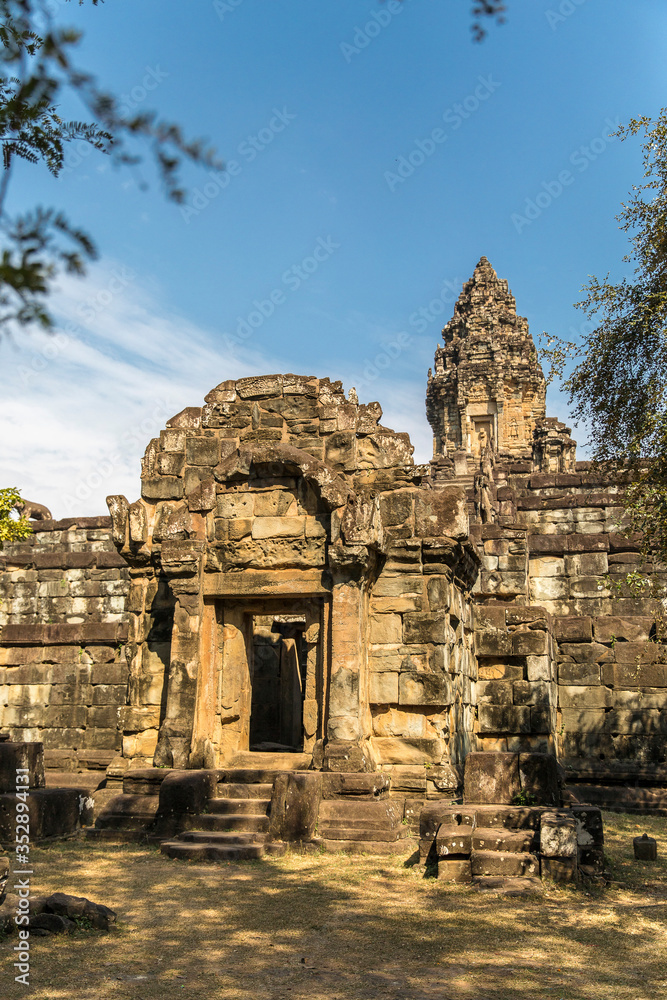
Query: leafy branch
x=38, y=71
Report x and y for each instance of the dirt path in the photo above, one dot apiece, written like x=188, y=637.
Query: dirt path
x=325, y=927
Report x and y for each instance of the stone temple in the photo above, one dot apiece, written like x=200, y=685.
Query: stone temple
x=297, y=633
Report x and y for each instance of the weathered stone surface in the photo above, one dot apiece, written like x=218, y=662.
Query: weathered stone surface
x=558, y=835
x=491, y=778
x=538, y=776
x=392, y=750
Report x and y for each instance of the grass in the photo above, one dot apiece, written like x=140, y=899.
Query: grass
x=332, y=927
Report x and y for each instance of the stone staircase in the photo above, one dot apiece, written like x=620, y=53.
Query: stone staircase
x=481, y=841
x=236, y=824
x=367, y=825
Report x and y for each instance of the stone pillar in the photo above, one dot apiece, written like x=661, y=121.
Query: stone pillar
x=182, y=561
x=354, y=561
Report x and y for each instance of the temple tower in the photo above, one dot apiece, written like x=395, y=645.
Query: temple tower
x=487, y=387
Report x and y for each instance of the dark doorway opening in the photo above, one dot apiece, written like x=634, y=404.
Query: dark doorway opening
x=279, y=665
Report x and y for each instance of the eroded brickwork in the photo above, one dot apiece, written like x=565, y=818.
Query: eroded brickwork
x=63, y=673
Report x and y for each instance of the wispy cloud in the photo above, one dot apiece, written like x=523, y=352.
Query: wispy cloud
x=79, y=407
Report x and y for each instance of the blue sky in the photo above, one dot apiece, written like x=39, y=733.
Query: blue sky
x=374, y=154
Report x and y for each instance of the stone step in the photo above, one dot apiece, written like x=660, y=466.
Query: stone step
x=334, y=846
x=210, y=851
x=384, y=810
x=378, y=823
x=122, y=821
x=215, y=821
x=509, y=817
x=508, y=886
x=454, y=869
x=500, y=839
x=436, y=814
x=453, y=840
x=504, y=863
x=239, y=807
x=223, y=837
x=276, y=760
x=244, y=790
x=343, y=831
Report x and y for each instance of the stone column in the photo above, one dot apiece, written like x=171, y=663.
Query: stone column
x=182, y=561
x=353, y=558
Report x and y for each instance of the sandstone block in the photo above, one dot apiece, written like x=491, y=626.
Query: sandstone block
x=398, y=586
x=442, y=512
x=103, y=716
x=136, y=719
x=558, y=835
x=587, y=674
x=493, y=643
x=574, y=629
x=384, y=688
x=529, y=643
x=66, y=716
x=417, y=688
x=259, y=386
x=583, y=720
x=560, y=869
x=538, y=774
x=278, y=527
x=386, y=629
x=141, y=744
x=587, y=652
x=491, y=778
x=109, y=694
x=581, y=697
x=632, y=629
x=236, y=505
x=162, y=488
x=547, y=566
x=494, y=692
x=504, y=719
x=395, y=750
x=549, y=588
x=538, y=668
x=396, y=722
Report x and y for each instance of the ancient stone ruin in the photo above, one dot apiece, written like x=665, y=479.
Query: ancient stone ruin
x=298, y=634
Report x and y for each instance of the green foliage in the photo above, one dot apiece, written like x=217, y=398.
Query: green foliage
x=37, y=71
x=618, y=385
x=12, y=528
x=486, y=8
x=524, y=798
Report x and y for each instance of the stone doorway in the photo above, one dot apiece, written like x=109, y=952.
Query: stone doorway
x=278, y=675
x=270, y=657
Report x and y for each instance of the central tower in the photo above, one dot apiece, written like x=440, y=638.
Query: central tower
x=487, y=389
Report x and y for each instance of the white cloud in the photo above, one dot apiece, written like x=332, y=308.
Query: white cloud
x=79, y=407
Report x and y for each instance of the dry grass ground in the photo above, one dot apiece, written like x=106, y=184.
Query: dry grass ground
x=324, y=927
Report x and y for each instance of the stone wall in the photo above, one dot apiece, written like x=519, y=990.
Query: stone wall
x=63, y=673
x=598, y=673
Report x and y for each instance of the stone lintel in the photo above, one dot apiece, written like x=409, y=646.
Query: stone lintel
x=262, y=583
